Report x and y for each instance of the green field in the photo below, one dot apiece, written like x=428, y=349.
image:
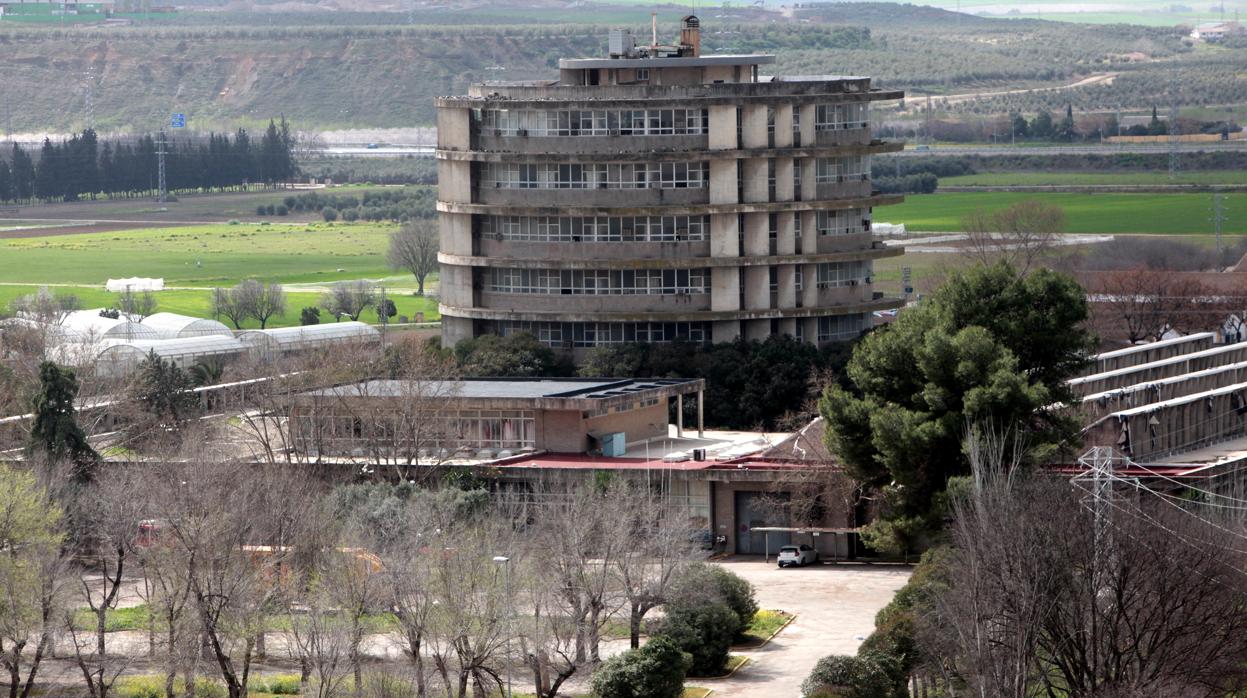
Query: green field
x=1004, y=179
x=194, y=259
x=1170, y=214
x=207, y=255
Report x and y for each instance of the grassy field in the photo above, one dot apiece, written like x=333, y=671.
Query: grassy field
x=210, y=255
x=1002, y=179
x=1169, y=214
x=194, y=259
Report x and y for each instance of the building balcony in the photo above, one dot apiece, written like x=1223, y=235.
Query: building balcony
x=580, y=304
x=613, y=198
x=487, y=246
x=486, y=141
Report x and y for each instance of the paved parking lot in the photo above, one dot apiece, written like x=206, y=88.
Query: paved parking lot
x=835, y=607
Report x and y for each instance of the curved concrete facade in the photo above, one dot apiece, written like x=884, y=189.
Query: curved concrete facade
x=656, y=198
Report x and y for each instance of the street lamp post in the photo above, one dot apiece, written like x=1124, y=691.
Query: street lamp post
x=506, y=589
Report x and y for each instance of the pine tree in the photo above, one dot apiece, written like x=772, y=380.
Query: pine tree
x=23, y=174
x=55, y=432
x=6, y=182
x=47, y=177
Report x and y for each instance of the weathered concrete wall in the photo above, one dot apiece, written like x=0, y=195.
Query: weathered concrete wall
x=637, y=425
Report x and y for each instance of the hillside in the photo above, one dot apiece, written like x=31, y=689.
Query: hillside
x=334, y=73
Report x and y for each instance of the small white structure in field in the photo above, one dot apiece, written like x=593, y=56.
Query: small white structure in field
x=134, y=285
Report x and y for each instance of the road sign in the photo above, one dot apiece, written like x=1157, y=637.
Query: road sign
x=906, y=279
x=178, y=121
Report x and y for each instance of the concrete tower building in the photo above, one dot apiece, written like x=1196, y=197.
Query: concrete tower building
x=658, y=193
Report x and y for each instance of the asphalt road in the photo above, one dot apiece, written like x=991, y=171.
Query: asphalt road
x=835, y=607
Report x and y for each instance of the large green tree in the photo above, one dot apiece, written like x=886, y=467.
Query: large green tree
x=990, y=346
x=55, y=432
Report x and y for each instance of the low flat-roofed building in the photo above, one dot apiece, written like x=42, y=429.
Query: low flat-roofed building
x=482, y=418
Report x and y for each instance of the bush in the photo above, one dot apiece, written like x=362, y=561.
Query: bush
x=703, y=584
x=654, y=670
x=705, y=632
x=154, y=687
x=271, y=209
x=842, y=676
x=290, y=201
x=350, y=215
x=309, y=316
x=279, y=685
x=329, y=213
x=261, y=210
x=282, y=210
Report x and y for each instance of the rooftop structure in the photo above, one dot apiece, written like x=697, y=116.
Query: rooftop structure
x=282, y=340
x=655, y=194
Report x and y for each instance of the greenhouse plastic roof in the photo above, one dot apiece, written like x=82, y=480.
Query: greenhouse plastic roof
x=174, y=326
x=176, y=348
x=90, y=325
x=287, y=338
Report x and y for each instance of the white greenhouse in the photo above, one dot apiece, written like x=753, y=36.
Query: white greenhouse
x=90, y=326
x=174, y=326
x=284, y=340
x=120, y=358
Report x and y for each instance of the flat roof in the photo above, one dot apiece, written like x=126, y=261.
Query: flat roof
x=666, y=62
x=1126, y=351
x=505, y=388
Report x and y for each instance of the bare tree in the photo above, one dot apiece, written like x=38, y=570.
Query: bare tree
x=657, y=546
x=1020, y=234
x=1143, y=304
x=32, y=572
x=350, y=298
x=226, y=303
x=414, y=247
x=136, y=306
x=1034, y=604
x=249, y=299
x=45, y=306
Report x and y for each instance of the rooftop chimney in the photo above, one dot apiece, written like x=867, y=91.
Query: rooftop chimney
x=690, y=36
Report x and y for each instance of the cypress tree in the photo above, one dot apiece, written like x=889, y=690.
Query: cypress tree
x=55, y=432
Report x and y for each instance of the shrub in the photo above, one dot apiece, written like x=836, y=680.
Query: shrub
x=271, y=209
x=707, y=584
x=282, y=210
x=329, y=213
x=234, y=221
x=737, y=594
x=309, y=316
x=842, y=676
x=654, y=670
x=350, y=215
x=154, y=687
x=261, y=210
x=290, y=201
x=279, y=685
x=704, y=631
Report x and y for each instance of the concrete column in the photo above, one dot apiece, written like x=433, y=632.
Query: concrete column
x=701, y=411
x=757, y=288
x=811, y=330
x=807, y=125
x=456, y=233
x=454, y=181
x=783, y=126
x=787, y=240
x=725, y=330
x=783, y=179
x=679, y=416
x=724, y=290
x=753, y=126
x=809, y=233
x=455, y=286
x=724, y=186
x=754, y=174
x=757, y=330
x=809, y=296
x=757, y=235
x=809, y=187
x=455, y=330
x=723, y=127
x=788, y=326
x=454, y=128
x=787, y=297
x=724, y=235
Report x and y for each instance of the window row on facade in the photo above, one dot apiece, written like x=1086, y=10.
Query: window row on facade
x=596, y=228
x=594, y=122
x=615, y=175
x=594, y=334
x=600, y=282
x=839, y=328
x=837, y=274
x=648, y=122
x=833, y=170
x=447, y=429
x=851, y=221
